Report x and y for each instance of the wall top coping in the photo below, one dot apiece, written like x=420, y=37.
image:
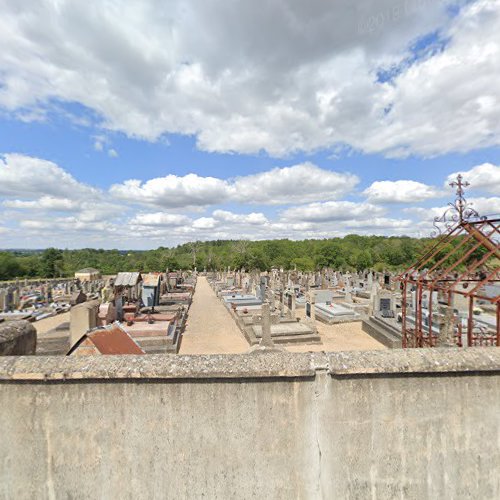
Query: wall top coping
x=256, y=365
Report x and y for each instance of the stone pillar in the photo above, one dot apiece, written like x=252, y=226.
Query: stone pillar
x=294, y=298
x=272, y=298
x=266, y=340
x=374, y=300
x=312, y=311
x=15, y=298
x=446, y=326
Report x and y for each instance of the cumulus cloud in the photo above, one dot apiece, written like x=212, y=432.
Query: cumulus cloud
x=160, y=219
x=403, y=191
x=204, y=223
x=298, y=183
x=173, y=191
x=253, y=218
x=28, y=177
x=332, y=211
x=44, y=203
x=69, y=213
x=379, y=223
x=307, y=81
x=484, y=206
x=484, y=177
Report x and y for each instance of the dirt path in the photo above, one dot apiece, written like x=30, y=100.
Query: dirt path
x=210, y=328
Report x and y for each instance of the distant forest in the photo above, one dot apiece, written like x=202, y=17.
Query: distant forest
x=352, y=252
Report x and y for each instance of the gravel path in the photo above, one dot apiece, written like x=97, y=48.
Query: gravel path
x=210, y=328
x=340, y=337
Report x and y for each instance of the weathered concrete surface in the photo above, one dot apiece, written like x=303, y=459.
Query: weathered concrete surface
x=17, y=338
x=392, y=424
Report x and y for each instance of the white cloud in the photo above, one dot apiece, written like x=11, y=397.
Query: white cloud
x=204, y=223
x=298, y=183
x=44, y=203
x=173, y=191
x=379, y=223
x=160, y=219
x=332, y=211
x=307, y=81
x=112, y=153
x=74, y=214
x=446, y=102
x=253, y=218
x=485, y=176
x=486, y=206
x=402, y=191
x=28, y=177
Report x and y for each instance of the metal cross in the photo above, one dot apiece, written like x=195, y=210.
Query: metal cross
x=460, y=203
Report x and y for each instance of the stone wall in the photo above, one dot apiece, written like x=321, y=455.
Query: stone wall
x=386, y=424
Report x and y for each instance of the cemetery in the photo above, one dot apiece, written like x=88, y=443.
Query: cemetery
x=350, y=357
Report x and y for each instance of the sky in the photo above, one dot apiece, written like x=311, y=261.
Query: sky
x=134, y=125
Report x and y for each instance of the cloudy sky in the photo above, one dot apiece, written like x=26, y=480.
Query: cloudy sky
x=138, y=124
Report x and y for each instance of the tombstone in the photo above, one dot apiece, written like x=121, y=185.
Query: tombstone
x=317, y=280
x=384, y=303
x=3, y=300
x=263, y=283
x=272, y=299
x=348, y=293
x=119, y=307
x=77, y=298
x=9, y=300
x=310, y=310
x=15, y=298
x=282, y=302
x=293, y=305
x=83, y=317
x=266, y=339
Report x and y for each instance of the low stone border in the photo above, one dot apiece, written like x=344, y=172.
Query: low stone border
x=257, y=365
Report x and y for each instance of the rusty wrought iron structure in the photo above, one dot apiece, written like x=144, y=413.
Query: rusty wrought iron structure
x=460, y=271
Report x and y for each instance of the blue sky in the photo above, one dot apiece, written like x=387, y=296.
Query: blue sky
x=134, y=126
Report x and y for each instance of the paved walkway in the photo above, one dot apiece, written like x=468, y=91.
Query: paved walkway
x=210, y=328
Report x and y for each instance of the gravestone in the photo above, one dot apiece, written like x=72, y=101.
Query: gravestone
x=17, y=338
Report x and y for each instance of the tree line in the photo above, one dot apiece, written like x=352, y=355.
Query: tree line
x=352, y=252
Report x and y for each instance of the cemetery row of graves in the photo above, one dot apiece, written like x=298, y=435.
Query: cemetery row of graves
x=146, y=313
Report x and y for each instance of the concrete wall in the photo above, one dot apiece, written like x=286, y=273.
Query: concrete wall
x=386, y=424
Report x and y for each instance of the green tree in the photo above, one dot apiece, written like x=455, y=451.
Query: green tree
x=52, y=262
